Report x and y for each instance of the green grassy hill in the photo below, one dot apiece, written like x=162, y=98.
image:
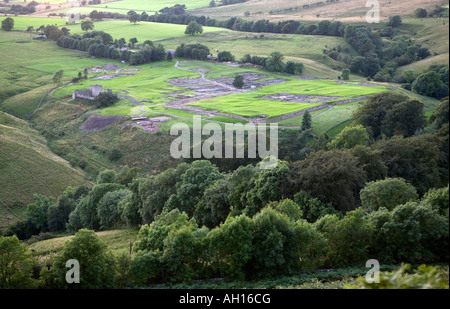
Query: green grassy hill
x=27, y=166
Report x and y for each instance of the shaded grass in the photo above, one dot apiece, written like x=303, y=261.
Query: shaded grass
x=116, y=240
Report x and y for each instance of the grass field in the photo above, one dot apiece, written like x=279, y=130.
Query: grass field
x=116, y=240
x=345, y=10
x=149, y=83
x=142, y=30
x=250, y=104
x=23, y=22
x=25, y=70
x=307, y=49
x=149, y=6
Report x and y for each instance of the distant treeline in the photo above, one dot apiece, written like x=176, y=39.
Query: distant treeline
x=102, y=44
x=20, y=9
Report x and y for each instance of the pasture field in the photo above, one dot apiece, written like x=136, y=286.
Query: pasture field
x=23, y=22
x=149, y=6
x=306, y=49
x=141, y=30
x=20, y=72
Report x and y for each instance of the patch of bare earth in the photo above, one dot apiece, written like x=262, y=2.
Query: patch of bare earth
x=97, y=123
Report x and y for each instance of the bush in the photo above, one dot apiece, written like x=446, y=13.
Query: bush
x=238, y=82
x=225, y=56
x=424, y=277
x=97, y=269
x=387, y=193
x=105, y=99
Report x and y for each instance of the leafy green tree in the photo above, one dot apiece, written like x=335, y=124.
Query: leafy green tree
x=58, y=214
x=197, y=178
x=294, y=68
x=214, y=207
x=348, y=238
x=238, y=81
x=350, y=137
x=409, y=76
x=387, y=193
x=415, y=159
x=427, y=84
x=182, y=252
x=440, y=116
x=438, y=200
x=225, y=56
x=230, y=246
x=37, y=211
x=108, y=208
x=16, y=264
x=312, y=208
x=107, y=176
x=266, y=186
x=345, y=74
x=306, y=121
x=133, y=42
x=411, y=233
x=331, y=176
x=289, y=208
x=404, y=119
x=370, y=161
x=7, y=24
x=395, y=21
x=133, y=17
x=87, y=25
x=87, y=207
x=97, y=269
x=194, y=28
x=154, y=191
x=420, y=13
x=274, y=62
x=372, y=114
x=105, y=99
x=169, y=56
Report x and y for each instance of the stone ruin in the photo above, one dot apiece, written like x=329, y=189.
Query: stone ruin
x=91, y=94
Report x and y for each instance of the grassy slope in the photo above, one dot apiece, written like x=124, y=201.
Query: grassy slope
x=22, y=81
x=142, y=30
x=27, y=166
x=345, y=10
x=306, y=49
x=116, y=240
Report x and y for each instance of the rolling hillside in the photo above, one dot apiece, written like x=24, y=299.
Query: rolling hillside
x=27, y=166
